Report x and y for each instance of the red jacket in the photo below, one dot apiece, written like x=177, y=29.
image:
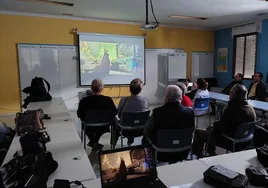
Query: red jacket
x=186, y=101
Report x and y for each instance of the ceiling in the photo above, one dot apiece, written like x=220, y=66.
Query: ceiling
x=221, y=13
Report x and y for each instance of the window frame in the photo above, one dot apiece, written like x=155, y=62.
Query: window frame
x=234, y=52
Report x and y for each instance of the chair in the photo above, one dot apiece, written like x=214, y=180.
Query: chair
x=244, y=133
x=173, y=141
x=132, y=124
x=201, y=108
x=97, y=119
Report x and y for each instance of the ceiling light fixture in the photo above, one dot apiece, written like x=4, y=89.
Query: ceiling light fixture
x=187, y=17
x=49, y=2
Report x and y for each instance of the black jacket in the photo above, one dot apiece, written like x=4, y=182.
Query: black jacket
x=172, y=115
x=98, y=103
x=237, y=112
x=228, y=88
x=260, y=91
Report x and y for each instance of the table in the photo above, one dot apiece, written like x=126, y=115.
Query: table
x=65, y=144
x=259, y=105
x=56, y=105
x=172, y=175
x=237, y=162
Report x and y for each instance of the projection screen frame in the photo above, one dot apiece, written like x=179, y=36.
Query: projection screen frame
x=97, y=34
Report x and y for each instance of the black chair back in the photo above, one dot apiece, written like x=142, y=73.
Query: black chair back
x=244, y=130
x=174, y=138
x=134, y=119
x=98, y=116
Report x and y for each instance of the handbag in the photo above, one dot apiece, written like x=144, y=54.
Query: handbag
x=262, y=155
x=34, y=142
x=257, y=176
x=29, y=120
x=221, y=177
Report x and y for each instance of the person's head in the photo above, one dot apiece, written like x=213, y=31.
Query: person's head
x=173, y=94
x=238, y=77
x=257, y=77
x=96, y=86
x=135, y=86
x=238, y=92
x=201, y=84
x=182, y=87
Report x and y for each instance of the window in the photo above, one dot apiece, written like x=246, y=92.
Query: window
x=245, y=50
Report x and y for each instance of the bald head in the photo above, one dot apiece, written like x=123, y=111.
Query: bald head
x=97, y=86
x=238, y=92
x=173, y=94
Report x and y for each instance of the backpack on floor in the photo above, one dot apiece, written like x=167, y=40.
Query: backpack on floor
x=37, y=91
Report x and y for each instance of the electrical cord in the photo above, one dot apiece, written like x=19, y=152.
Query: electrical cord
x=152, y=8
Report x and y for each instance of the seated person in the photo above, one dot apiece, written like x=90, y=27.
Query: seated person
x=186, y=101
x=200, y=92
x=238, y=111
x=257, y=89
x=172, y=115
x=99, y=103
x=237, y=80
x=134, y=103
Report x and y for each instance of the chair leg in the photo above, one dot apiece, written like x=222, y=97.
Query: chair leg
x=121, y=141
x=226, y=151
x=156, y=157
x=82, y=132
x=84, y=136
x=233, y=146
x=209, y=119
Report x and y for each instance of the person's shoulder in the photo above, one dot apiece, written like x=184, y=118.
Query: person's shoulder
x=107, y=98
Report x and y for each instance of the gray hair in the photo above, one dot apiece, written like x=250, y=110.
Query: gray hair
x=240, y=92
x=173, y=93
x=182, y=87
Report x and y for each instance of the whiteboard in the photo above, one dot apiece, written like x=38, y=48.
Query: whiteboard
x=62, y=70
x=177, y=66
x=202, y=65
x=55, y=63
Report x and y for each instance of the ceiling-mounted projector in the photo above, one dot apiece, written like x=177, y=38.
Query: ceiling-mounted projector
x=147, y=25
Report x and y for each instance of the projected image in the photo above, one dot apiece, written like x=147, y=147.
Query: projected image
x=121, y=166
x=109, y=61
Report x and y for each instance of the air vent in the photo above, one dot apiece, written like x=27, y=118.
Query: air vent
x=49, y=2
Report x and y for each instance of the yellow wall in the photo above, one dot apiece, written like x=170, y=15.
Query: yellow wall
x=24, y=29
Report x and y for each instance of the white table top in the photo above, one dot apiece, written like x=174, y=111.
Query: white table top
x=65, y=144
x=56, y=105
x=259, y=105
x=237, y=162
x=172, y=175
x=219, y=96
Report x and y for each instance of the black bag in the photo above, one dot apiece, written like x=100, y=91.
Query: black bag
x=257, y=176
x=34, y=142
x=221, y=177
x=37, y=91
x=31, y=171
x=262, y=155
